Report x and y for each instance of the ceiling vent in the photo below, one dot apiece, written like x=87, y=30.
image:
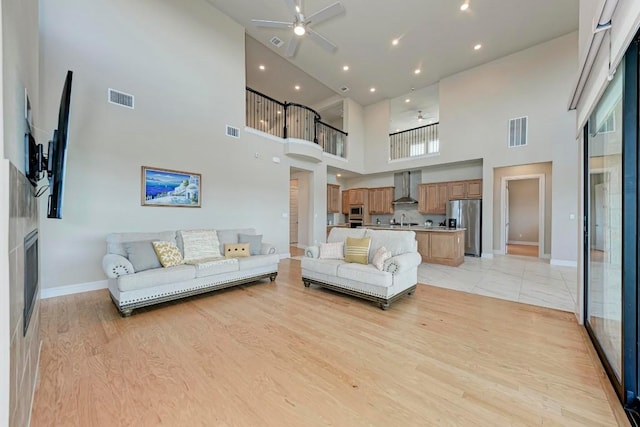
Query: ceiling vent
x=277, y=42
x=518, y=132
x=344, y=89
x=120, y=98
x=232, y=132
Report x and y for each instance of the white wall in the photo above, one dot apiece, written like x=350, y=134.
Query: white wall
x=523, y=211
x=184, y=62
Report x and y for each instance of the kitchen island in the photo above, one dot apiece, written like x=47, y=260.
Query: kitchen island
x=436, y=245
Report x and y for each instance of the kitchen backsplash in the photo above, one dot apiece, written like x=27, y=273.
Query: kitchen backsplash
x=411, y=214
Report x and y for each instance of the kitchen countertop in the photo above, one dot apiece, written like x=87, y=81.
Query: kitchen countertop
x=413, y=228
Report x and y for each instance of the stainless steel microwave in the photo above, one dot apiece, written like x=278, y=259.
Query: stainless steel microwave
x=356, y=211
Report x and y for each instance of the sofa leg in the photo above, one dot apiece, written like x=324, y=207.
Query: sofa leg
x=384, y=305
x=273, y=277
x=126, y=313
x=306, y=283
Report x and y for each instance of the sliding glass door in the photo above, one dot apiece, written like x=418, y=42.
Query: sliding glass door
x=611, y=225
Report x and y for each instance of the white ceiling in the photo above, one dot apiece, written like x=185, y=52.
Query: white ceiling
x=435, y=36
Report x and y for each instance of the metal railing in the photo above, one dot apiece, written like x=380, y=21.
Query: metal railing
x=332, y=140
x=291, y=120
x=265, y=114
x=415, y=142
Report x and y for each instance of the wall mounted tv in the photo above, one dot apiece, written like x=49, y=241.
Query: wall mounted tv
x=54, y=162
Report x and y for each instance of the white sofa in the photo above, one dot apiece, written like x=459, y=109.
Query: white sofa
x=398, y=277
x=130, y=289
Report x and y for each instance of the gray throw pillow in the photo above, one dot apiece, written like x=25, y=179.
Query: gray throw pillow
x=142, y=255
x=254, y=241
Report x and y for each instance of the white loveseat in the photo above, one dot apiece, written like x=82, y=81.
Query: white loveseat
x=398, y=276
x=130, y=289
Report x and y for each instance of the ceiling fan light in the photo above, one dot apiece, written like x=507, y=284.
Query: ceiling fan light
x=299, y=30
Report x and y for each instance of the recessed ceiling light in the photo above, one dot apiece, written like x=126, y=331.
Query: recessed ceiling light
x=416, y=71
x=477, y=47
x=373, y=89
x=261, y=67
x=464, y=6
x=279, y=112
x=398, y=130
x=345, y=68
x=407, y=100
x=338, y=175
x=296, y=87
x=395, y=42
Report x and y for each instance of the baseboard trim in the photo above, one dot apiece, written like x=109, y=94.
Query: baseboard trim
x=519, y=242
x=487, y=255
x=285, y=255
x=563, y=263
x=73, y=289
x=546, y=256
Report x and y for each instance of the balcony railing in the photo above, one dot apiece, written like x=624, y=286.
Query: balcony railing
x=415, y=142
x=331, y=140
x=290, y=120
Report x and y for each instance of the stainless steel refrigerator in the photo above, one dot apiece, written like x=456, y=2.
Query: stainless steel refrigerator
x=468, y=213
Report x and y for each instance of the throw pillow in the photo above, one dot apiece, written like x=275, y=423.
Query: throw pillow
x=168, y=254
x=142, y=255
x=198, y=244
x=357, y=250
x=381, y=255
x=236, y=250
x=254, y=240
x=332, y=250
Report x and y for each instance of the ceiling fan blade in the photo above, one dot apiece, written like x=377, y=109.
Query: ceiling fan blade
x=271, y=24
x=293, y=45
x=321, y=40
x=324, y=14
x=293, y=7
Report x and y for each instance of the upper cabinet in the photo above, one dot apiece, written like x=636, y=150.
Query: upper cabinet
x=433, y=198
x=470, y=189
x=333, y=198
x=357, y=196
x=381, y=200
x=345, y=202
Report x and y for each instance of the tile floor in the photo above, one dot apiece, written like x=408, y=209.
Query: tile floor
x=523, y=279
x=515, y=278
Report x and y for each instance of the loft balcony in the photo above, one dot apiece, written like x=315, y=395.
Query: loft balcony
x=306, y=135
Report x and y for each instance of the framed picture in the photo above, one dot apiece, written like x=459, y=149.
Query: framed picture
x=165, y=187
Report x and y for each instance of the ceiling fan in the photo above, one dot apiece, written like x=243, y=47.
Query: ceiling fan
x=420, y=116
x=302, y=25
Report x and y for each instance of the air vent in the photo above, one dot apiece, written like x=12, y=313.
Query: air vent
x=120, y=98
x=232, y=132
x=277, y=42
x=518, y=132
x=344, y=89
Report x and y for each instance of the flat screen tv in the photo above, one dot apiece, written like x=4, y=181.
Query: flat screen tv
x=57, y=153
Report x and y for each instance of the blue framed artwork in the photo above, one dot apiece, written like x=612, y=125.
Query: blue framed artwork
x=165, y=187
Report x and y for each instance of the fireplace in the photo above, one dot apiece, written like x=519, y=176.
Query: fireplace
x=30, y=277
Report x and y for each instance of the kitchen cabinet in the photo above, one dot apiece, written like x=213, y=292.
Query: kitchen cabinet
x=345, y=202
x=432, y=198
x=470, y=189
x=441, y=247
x=380, y=200
x=333, y=198
x=357, y=196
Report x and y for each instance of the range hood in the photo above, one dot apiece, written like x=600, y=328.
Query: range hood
x=402, y=182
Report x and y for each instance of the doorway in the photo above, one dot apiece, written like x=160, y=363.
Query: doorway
x=523, y=215
x=300, y=208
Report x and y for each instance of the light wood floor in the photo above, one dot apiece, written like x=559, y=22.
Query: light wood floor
x=524, y=250
x=279, y=354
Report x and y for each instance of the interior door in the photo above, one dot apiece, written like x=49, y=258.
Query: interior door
x=293, y=211
x=506, y=216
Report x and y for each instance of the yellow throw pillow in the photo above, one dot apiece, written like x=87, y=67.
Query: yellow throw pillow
x=168, y=254
x=236, y=250
x=357, y=250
